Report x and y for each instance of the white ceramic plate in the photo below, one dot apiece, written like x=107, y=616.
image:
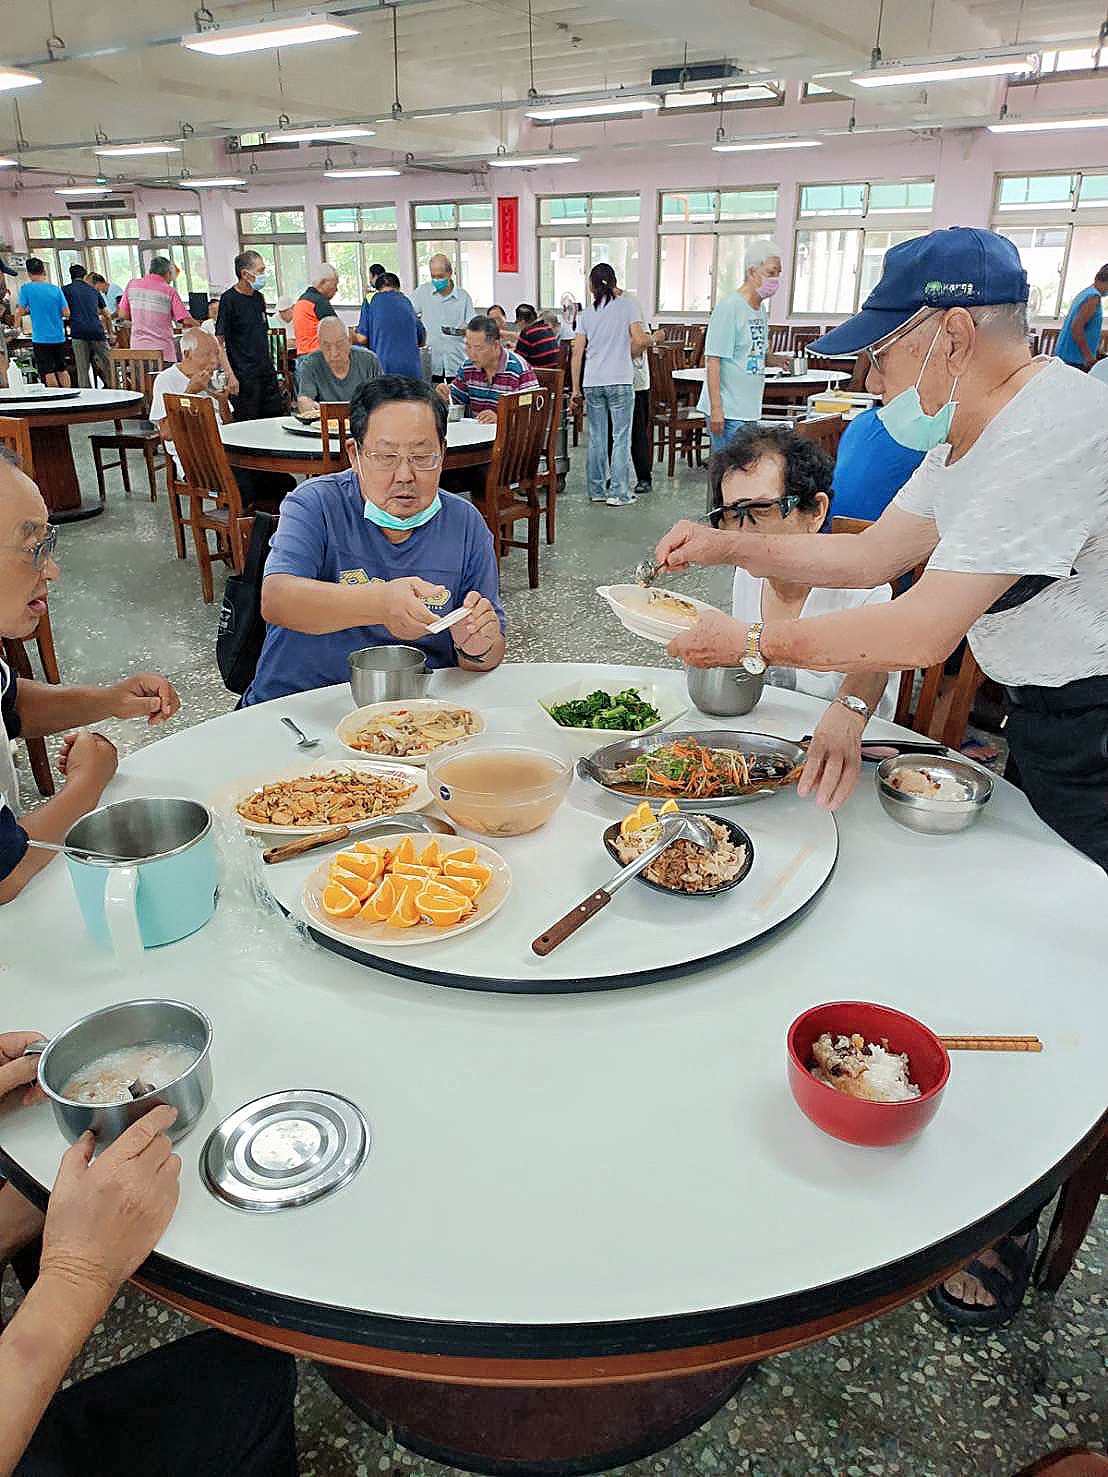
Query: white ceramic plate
x=631, y=606
x=373, y=936
x=583, y=741
x=229, y=795
x=361, y=716
x=298, y=428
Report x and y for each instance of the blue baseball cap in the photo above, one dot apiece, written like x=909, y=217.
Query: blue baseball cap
x=961, y=267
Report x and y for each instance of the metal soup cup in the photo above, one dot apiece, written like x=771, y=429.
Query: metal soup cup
x=385, y=674
x=115, y=1028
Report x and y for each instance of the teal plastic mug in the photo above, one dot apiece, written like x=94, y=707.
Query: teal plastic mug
x=165, y=888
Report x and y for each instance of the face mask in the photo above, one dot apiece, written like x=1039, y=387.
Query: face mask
x=768, y=287
x=260, y=281
x=373, y=514
x=909, y=424
x=440, y=284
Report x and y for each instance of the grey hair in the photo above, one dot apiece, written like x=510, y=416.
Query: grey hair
x=1002, y=320
x=190, y=340
x=161, y=266
x=321, y=272
x=760, y=250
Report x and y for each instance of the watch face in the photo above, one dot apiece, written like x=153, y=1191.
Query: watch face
x=755, y=665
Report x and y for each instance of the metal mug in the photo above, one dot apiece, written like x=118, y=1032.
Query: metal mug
x=116, y=1027
x=384, y=674
x=725, y=692
x=168, y=888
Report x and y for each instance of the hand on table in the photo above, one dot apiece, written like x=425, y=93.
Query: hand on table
x=486, y=418
x=146, y=695
x=106, y=1215
x=689, y=543
x=479, y=629
x=18, y=1072
x=716, y=640
x=88, y=758
x=404, y=606
x=834, y=758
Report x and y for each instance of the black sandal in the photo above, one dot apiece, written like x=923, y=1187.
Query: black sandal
x=1006, y=1284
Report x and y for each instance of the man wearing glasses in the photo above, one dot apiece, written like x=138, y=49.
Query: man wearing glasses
x=35, y=709
x=377, y=554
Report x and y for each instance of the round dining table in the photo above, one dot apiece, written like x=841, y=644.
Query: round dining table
x=585, y=1214
x=48, y=415
x=269, y=445
x=780, y=389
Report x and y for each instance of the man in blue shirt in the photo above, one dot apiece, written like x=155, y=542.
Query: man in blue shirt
x=1079, y=341
x=388, y=325
x=378, y=554
x=870, y=468
x=45, y=305
x=89, y=325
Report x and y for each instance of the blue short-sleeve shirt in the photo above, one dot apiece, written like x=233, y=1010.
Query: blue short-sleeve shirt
x=323, y=535
x=13, y=838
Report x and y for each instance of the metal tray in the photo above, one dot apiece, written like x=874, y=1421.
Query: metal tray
x=715, y=738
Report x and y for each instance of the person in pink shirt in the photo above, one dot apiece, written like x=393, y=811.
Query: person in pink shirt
x=153, y=306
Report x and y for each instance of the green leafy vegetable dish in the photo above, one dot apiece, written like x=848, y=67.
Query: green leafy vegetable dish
x=626, y=712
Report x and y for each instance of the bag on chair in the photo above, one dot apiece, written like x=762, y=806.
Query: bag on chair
x=241, y=627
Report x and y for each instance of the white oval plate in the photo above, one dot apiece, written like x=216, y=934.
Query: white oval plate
x=373, y=936
x=228, y=796
x=361, y=716
x=629, y=605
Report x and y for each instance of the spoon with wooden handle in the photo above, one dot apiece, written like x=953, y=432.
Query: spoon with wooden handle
x=289, y=849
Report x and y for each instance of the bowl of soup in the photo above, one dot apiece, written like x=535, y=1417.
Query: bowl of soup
x=499, y=787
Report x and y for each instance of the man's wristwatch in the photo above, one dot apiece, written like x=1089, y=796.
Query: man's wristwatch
x=855, y=705
x=752, y=659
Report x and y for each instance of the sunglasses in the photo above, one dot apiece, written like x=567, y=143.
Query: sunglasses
x=734, y=515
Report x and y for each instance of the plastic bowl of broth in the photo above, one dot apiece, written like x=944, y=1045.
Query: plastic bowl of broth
x=499, y=787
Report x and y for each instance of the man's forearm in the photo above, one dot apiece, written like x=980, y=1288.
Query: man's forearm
x=20, y=1222
x=715, y=393
x=315, y=607
x=36, y=1350
x=872, y=638
x=45, y=709
x=869, y=686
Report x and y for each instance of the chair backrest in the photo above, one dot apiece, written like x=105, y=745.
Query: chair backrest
x=334, y=420
x=698, y=333
x=803, y=334
x=194, y=431
x=553, y=381
x=279, y=349
x=131, y=366
x=522, y=435
x=779, y=338
x=825, y=430
x=849, y=525
x=16, y=438
x=663, y=388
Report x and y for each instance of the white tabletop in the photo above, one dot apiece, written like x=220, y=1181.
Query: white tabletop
x=632, y=1154
x=81, y=400
x=813, y=377
x=272, y=436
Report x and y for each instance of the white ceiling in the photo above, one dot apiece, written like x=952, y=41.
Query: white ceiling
x=122, y=71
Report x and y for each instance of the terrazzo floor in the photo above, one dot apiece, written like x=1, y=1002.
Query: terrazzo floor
x=900, y=1397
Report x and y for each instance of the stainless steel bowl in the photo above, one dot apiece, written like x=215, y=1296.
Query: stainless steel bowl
x=936, y=817
x=133, y=1023
x=383, y=674
x=725, y=692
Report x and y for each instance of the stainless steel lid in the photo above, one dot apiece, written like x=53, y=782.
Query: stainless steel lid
x=288, y=1148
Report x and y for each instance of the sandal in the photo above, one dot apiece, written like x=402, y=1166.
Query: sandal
x=1006, y=1284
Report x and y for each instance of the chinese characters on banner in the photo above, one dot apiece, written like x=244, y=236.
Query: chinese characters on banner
x=507, y=233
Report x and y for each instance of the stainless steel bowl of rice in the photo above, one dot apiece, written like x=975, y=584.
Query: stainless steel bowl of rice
x=684, y=868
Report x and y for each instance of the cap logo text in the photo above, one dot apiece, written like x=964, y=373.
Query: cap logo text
x=949, y=289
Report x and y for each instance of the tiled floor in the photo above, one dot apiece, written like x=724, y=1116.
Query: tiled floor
x=900, y=1396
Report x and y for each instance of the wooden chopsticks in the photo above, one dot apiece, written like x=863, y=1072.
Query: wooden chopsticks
x=991, y=1043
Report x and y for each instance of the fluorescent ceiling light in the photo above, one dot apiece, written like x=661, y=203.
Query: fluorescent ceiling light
x=359, y=173
x=1050, y=125
x=8, y=163
x=769, y=143
x=74, y=190
x=594, y=110
x=751, y=92
x=133, y=151
x=11, y=78
x=310, y=135
x=531, y=161
x=896, y=75
x=265, y=35
x=211, y=182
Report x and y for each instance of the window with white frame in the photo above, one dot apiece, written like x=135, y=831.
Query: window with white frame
x=278, y=236
x=1059, y=224
x=112, y=247
x=703, y=237
x=44, y=236
x=843, y=231
x=460, y=230
x=179, y=235
x=576, y=232
x=354, y=238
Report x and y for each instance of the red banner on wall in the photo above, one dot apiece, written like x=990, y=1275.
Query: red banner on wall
x=507, y=233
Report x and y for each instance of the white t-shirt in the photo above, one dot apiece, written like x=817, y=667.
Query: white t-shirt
x=1030, y=498
x=172, y=381
x=746, y=606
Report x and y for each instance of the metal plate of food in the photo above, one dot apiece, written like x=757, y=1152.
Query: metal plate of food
x=720, y=765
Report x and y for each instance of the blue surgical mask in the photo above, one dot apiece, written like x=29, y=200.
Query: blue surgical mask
x=260, y=281
x=909, y=424
x=373, y=514
x=440, y=284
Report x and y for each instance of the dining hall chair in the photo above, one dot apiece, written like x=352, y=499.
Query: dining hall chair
x=131, y=369
x=825, y=431
x=675, y=427
x=15, y=437
x=334, y=420
x=1048, y=340
x=279, y=353
x=779, y=338
x=553, y=381
x=512, y=486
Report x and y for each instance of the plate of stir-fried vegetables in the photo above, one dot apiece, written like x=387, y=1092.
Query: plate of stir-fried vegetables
x=719, y=765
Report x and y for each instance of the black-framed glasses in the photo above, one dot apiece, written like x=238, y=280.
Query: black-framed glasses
x=41, y=552
x=734, y=515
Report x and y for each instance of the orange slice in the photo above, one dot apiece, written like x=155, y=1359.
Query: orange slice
x=671, y=807
x=381, y=904
x=431, y=855
x=405, y=852
x=463, y=854
x=641, y=817
x=413, y=869
x=354, y=882
x=406, y=914
x=369, y=866
x=445, y=890
x=471, y=887
x=477, y=870
x=439, y=910
x=338, y=902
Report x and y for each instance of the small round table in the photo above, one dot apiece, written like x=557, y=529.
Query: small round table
x=780, y=389
x=269, y=446
x=48, y=421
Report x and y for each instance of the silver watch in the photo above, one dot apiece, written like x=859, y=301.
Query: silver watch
x=856, y=705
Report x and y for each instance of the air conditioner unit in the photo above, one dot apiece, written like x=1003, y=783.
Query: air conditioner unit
x=101, y=205
x=704, y=74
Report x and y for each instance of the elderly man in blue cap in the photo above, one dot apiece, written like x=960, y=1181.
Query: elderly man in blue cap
x=1009, y=509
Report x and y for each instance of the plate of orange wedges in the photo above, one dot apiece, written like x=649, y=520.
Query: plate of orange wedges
x=410, y=889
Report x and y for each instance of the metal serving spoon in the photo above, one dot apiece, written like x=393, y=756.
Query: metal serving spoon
x=304, y=742
x=648, y=570
x=82, y=853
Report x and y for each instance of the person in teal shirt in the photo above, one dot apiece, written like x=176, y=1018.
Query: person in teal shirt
x=1079, y=341
x=44, y=303
x=735, y=347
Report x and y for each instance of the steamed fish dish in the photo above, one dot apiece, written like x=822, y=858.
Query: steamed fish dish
x=688, y=770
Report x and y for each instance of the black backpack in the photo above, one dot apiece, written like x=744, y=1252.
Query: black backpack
x=241, y=627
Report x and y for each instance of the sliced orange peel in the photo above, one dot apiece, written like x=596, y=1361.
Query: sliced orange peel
x=643, y=817
x=403, y=888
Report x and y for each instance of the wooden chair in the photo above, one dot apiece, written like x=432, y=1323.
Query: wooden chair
x=209, y=484
x=131, y=369
x=15, y=654
x=801, y=336
x=279, y=353
x=334, y=420
x=1073, y=1215
x=1048, y=340
x=577, y=414
x=553, y=382
x=779, y=338
x=675, y=426
x=825, y=430
x=698, y=333
x=512, y=485
x=16, y=438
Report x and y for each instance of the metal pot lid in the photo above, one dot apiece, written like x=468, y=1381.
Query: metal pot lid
x=285, y=1149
